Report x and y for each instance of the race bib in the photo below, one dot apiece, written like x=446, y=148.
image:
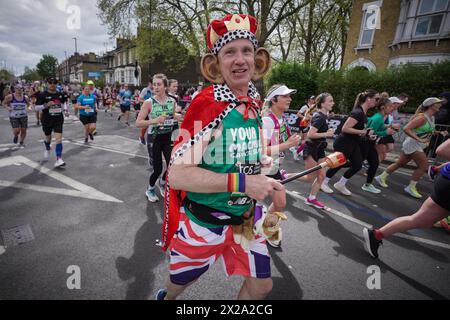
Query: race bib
x=55, y=110
x=168, y=122
x=89, y=110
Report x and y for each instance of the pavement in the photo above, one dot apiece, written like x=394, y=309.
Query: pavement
x=91, y=222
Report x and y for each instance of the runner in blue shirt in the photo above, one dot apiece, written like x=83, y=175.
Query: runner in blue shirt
x=86, y=105
x=125, y=96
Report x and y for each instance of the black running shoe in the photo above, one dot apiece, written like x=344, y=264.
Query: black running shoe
x=86, y=140
x=372, y=243
x=15, y=139
x=91, y=136
x=118, y=119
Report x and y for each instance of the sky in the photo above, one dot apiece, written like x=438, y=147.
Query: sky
x=31, y=28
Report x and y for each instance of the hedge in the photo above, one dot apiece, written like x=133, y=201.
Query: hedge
x=418, y=81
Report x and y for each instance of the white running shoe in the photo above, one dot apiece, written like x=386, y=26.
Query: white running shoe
x=325, y=188
x=59, y=163
x=151, y=195
x=342, y=189
x=46, y=154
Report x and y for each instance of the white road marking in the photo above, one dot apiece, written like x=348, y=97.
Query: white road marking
x=81, y=190
x=2, y=250
x=295, y=194
x=95, y=146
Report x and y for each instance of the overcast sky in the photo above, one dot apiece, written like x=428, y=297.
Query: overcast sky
x=31, y=28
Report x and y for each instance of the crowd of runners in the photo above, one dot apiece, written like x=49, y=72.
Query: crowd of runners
x=214, y=176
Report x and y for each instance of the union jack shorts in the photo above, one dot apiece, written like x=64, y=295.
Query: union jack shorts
x=194, y=249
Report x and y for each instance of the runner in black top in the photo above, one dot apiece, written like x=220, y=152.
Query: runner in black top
x=52, y=104
x=349, y=140
x=316, y=143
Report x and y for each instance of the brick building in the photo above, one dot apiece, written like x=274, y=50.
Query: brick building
x=390, y=32
x=81, y=67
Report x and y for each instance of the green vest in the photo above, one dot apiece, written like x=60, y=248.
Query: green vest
x=239, y=143
x=162, y=110
x=427, y=129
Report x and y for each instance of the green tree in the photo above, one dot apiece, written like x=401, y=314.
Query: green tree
x=297, y=76
x=30, y=74
x=47, y=66
x=6, y=75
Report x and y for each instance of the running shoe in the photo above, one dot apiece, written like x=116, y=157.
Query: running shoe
x=342, y=189
x=161, y=186
x=432, y=172
x=21, y=145
x=46, y=154
x=161, y=294
x=91, y=136
x=151, y=195
x=59, y=163
x=86, y=140
x=413, y=192
x=372, y=244
x=284, y=174
x=142, y=140
x=15, y=139
x=315, y=203
x=38, y=123
x=370, y=188
x=325, y=188
x=445, y=223
x=381, y=181
x=118, y=119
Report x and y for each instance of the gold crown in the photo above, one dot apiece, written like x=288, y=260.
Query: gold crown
x=237, y=23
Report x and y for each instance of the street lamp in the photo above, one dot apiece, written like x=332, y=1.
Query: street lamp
x=76, y=59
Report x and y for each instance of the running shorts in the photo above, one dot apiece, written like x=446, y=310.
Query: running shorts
x=50, y=123
x=124, y=108
x=88, y=119
x=386, y=140
x=17, y=123
x=315, y=149
x=441, y=192
x=194, y=249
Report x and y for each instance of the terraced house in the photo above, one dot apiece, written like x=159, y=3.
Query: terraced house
x=384, y=33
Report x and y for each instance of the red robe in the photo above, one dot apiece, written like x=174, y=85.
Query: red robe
x=205, y=109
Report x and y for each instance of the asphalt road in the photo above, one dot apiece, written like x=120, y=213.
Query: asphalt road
x=93, y=214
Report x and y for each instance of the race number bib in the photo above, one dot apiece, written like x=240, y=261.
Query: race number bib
x=168, y=122
x=55, y=110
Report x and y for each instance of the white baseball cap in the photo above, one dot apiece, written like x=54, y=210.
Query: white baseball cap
x=430, y=101
x=280, y=91
x=395, y=100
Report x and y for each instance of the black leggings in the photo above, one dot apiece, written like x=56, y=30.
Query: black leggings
x=370, y=153
x=162, y=144
x=352, y=151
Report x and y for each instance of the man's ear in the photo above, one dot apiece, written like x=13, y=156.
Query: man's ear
x=209, y=66
x=262, y=63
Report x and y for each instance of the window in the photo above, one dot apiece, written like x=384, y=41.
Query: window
x=431, y=6
x=122, y=76
x=367, y=33
x=430, y=13
x=429, y=25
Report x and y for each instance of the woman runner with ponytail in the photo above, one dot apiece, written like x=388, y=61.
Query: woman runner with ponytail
x=350, y=139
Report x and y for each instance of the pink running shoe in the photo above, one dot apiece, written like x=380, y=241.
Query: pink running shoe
x=315, y=203
x=284, y=174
